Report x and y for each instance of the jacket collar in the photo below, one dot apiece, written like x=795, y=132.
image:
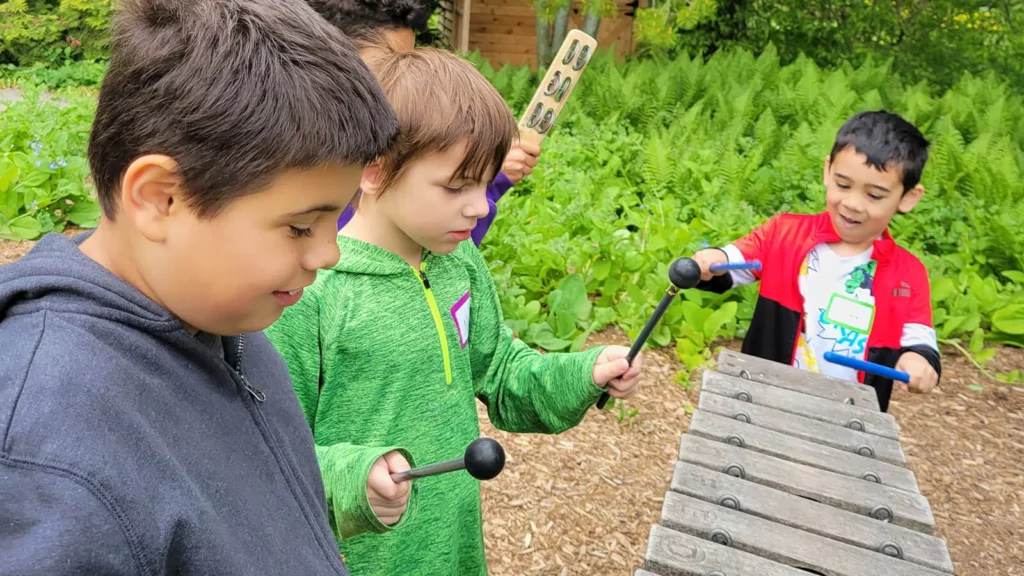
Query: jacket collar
x=825, y=232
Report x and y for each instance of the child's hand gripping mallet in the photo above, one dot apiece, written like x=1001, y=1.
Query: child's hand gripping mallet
x=868, y=367
x=484, y=459
x=684, y=273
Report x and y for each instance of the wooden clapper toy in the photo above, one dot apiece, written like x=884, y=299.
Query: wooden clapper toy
x=558, y=84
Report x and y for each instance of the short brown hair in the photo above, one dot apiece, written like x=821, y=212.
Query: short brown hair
x=236, y=91
x=441, y=99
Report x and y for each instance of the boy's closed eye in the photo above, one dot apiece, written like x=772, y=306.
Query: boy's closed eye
x=300, y=232
x=300, y=223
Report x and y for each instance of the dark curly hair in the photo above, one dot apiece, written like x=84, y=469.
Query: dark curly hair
x=362, y=20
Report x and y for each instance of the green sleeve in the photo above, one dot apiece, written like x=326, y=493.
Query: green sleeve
x=524, y=390
x=345, y=468
x=297, y=337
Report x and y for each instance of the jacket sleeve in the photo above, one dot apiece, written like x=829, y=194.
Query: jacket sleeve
x=753, y=246
x=524, y=390
x=345, y=468
x=54, y=524
x=918, y=334
x=495, y=190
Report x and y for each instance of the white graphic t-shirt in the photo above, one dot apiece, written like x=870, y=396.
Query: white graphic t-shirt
x=839, y=309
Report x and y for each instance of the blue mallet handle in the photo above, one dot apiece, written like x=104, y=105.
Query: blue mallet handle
x=869, y=367
x=752, y=265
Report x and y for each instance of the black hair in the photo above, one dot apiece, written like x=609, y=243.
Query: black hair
x=885, y=138
x=362, y=20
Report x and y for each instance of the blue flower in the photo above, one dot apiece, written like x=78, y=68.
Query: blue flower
x=53, y=165
x=61, y=162
x=38, y=163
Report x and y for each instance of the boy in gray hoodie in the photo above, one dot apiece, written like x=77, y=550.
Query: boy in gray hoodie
x=146, y=424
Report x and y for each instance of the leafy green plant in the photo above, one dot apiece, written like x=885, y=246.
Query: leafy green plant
x=43, y=168
x=656, y=159
x=54, y=32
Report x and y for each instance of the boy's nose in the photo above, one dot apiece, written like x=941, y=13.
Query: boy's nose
x=478, y=207
x=855, y=205
x=322, y=254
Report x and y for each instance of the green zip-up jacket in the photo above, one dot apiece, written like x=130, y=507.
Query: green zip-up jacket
x=383, y=355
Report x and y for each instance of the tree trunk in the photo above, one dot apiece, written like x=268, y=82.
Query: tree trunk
x=561, y=29
x=591, y=23
x=544, y=54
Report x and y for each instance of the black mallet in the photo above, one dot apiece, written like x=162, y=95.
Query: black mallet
x=484, y=459
x=683, y=273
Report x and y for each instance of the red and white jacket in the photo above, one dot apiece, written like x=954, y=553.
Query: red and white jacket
x=900, y=287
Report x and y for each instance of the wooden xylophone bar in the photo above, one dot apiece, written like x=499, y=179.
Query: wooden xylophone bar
x=785, y=472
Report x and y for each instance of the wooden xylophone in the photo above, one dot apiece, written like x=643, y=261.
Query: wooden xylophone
x=786, y=472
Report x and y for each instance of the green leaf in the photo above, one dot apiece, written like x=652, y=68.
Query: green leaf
x=694, y=315
x=8, y=175
x=985, y=355
x=85, y=214
x=942, y=289
x=25, y=227
x=952, y=324
x=531, y=310
x=977, y=341
x=601, y=269
x=975, y=388
x=565, y=324
x=661, y=335
x=549, y=342
x=604, y=316
x=718, y=318
x=1013, y=275
x=580, y=341
x=633, y=262
x=1009, y=320
x=34, y=178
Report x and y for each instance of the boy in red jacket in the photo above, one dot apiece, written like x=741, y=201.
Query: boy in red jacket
x=837, y=281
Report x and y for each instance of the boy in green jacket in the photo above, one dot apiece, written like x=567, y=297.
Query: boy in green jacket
x=395, y=343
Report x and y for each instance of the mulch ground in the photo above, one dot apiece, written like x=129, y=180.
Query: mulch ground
x=583, y=502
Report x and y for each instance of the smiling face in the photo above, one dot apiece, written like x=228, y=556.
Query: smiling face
x=237, y=270
x=861, y=200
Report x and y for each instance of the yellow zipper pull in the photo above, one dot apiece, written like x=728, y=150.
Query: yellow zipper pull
x=422, y=275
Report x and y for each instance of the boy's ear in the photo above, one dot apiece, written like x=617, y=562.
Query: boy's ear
x=371, y=179
x=911, y=198
x=152, y=193
x=825, y=172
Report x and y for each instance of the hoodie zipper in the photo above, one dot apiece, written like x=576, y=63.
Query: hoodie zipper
x=432, y=303
x=284, y=465
x=253, y=391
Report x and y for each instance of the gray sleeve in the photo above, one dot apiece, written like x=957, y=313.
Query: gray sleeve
x=52, y=523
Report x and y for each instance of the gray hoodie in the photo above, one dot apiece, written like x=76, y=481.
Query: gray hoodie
x=129, y=446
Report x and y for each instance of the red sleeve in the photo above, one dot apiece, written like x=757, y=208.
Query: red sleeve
x=920, y=311
x=757, y=244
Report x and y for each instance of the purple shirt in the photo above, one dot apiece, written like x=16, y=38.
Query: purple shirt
x=495, y=190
